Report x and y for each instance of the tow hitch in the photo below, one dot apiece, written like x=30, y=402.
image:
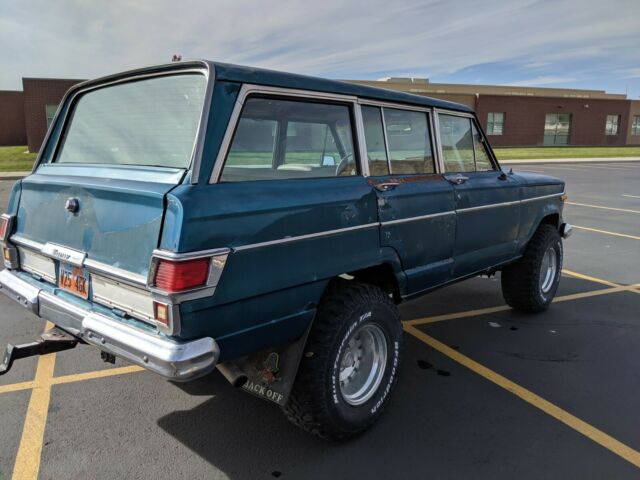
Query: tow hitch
x=51, y=341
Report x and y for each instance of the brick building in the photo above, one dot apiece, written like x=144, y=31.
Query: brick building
x=12, y=129
x=511, y=116
x=528, y=117
x=41, y=99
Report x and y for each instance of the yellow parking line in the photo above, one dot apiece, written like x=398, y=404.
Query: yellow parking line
x=110, y=372
x=27, y=463
x=16, y=387
x=603, y=207
x=502, y=308
x=606, y=232
x=615, y=446
x=589, y=278
x=631, y=196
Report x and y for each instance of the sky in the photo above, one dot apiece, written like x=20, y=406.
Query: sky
x=557, y=43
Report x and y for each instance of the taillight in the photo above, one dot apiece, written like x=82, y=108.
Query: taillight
x=173, y=276
x=4, y=226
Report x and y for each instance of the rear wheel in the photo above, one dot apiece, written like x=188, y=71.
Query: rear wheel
x=350, y=363
x=531, y=283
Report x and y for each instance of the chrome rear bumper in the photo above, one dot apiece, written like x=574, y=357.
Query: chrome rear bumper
x=180, y=361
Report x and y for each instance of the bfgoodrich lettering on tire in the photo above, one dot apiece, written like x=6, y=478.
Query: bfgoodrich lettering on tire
x=530, y=284
x=350, y=364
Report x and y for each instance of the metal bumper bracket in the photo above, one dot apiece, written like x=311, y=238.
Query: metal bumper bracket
x=51, y=341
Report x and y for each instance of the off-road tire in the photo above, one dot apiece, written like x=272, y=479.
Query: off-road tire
x=521, y=287
x=316, y=403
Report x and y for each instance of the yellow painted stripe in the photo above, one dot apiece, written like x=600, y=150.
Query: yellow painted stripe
x=16, y=387
x=606, y=232
x=502, y=308
x=598, y=436
x=27, y=463
x=590, y=278
x=631, y=196
x=603, y=207
x=110, y=372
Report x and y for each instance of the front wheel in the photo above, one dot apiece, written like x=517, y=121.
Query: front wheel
x=531, y=283
x=350, y=364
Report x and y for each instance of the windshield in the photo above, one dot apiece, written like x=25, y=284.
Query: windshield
x=151, y=122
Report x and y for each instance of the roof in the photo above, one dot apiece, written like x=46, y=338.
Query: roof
x=272, y=78
x=259, y=76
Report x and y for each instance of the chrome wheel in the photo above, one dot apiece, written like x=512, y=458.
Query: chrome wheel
x=548, y=269
x=362, y=364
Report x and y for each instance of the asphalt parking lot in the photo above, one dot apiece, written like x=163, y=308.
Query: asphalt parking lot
x=484, y=392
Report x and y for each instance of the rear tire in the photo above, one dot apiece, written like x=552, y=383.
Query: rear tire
x=530, y=284
x=350, y=364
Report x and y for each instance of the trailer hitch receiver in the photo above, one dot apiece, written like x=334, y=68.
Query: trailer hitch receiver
x=54, y=340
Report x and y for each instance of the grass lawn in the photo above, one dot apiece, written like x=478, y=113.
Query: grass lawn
x=16, y=159
x=565, y=152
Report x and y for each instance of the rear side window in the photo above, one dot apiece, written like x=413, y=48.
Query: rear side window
x=282, y=139
x=151, y=122
x=399, y=139
x=409, y=141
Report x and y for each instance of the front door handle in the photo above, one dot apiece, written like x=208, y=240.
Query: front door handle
x=456, y=179
x=385, y=187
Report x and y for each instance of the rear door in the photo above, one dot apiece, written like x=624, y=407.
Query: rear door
x=487, y=201
x=415, y=204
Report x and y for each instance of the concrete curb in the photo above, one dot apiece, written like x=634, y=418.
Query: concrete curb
x=13, y=175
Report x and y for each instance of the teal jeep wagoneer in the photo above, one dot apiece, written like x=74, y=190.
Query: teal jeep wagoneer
x=199, y=215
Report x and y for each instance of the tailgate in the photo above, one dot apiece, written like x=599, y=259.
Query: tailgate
x=119, y=214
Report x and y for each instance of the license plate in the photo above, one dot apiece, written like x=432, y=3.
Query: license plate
x=74, y=279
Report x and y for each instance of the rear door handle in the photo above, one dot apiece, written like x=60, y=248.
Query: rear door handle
x=456, y=179
x=385, y=187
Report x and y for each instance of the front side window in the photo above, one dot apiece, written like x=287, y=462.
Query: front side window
x=457, y=143
x=151, y=122
x=611, y=127
x=282, y=139
x=557, y=127
x=635, y=126
x=495, y=123
x=483, y=163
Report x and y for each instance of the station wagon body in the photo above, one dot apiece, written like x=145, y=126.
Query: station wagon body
x=189, y=215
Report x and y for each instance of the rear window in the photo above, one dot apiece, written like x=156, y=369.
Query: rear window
x=152, y=122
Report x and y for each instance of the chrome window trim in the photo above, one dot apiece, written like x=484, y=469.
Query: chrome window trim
x=194, y=164
x=419, y=217
x=386, y=140
x=248, y=89
x=362, y=141
x=324, y=233
x=476, y=123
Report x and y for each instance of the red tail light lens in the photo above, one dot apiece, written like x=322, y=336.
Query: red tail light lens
x=172, y=276
x=4, y=224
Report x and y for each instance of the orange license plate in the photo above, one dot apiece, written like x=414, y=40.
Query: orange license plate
x=74, y=279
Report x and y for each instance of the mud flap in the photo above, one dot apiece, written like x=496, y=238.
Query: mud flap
x=268, y=374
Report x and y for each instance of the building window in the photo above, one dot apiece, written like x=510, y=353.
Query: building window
x=556, y=128
x=611, y=127
x=50, y=111
x=635, y=126
x=495, y=123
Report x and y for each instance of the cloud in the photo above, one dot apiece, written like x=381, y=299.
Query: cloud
x=335, y=38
